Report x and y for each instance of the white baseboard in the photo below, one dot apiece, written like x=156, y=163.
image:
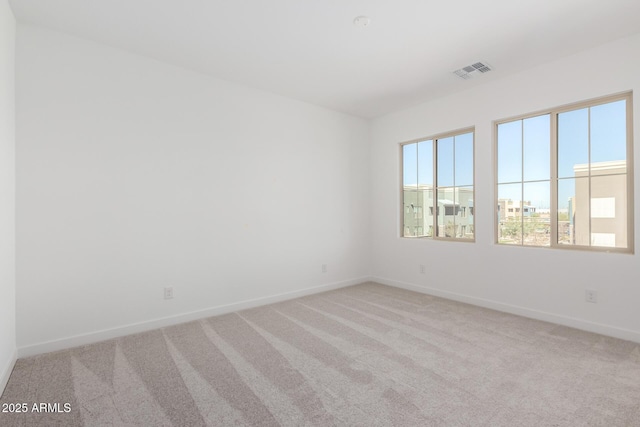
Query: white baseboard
x=585, y=325
x=106, y=334
x=6, y=372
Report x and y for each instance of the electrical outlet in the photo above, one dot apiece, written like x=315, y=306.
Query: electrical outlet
x=168, y=292
x=423, y=269
x=324, y=268
x=591, y=296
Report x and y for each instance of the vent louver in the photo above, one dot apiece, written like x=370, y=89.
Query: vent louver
x=473, y=70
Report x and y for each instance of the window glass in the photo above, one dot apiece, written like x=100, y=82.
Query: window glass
x=589, y=179
x=536, y=138
x=450, y=212
x=445, y=162
x=464, y=159
x=510, y=152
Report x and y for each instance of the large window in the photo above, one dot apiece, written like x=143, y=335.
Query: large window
x=437, y=187
x=564, y=177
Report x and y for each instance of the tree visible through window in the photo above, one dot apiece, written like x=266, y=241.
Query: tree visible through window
x=563, y=177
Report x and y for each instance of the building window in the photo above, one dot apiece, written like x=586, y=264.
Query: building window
x=568, y=169
x=438, y=172
x=449, y=211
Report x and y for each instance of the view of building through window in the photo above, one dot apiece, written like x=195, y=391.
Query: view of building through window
x=588, y=178
x=562, y=180
x=443, y=167
x=524, y=191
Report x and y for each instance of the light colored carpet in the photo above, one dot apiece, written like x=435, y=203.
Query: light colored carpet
x=367, y=355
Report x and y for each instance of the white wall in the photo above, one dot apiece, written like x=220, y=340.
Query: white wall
x=133, y=175
x=7, y=194
x=543, y=283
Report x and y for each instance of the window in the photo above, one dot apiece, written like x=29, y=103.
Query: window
x=437, y=173
x=569, y=171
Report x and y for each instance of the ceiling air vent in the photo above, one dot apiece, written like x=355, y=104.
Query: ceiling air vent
x=473, y=70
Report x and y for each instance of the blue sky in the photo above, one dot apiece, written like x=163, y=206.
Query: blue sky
x=603, y=126
x=524, y=153
x=450, y=172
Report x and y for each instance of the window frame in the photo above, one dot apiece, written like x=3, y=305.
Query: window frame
x=434, y=206
x=553, y=173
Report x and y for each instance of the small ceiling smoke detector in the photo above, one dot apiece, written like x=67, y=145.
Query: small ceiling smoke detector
x=361, y=21
x=473, y=70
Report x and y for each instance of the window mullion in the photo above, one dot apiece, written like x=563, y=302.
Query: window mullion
x=554, y=182
x=454, y=189
x=434, y=202
x=522, y=182
x=417, y=188
x=589, y=169
x=630, y=164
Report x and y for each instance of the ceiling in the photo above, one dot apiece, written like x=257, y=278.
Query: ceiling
x=310, y=50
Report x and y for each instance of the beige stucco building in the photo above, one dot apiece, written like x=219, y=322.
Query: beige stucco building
x=598, y=211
